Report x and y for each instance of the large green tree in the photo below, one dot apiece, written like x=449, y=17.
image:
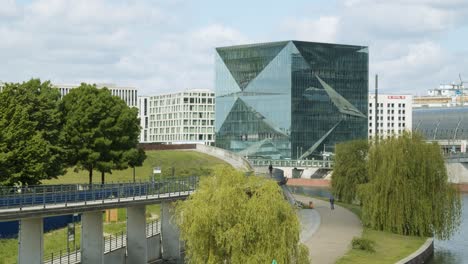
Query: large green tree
x=350, y=169
x=30, y=124
x=408, y=191
x=99, y=130
x=232, y=218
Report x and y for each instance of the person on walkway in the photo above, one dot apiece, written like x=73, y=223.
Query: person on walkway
x=332, y=202
x=270, y=169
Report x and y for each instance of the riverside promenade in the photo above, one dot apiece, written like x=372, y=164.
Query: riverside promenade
x=327, y=233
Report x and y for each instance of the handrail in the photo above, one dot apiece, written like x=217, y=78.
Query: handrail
x=45, y=195
x=112, y=242
x=326, y=164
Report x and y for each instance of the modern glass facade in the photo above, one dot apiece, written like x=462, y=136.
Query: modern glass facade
x=290, y=99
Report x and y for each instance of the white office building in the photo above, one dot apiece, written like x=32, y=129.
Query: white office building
x=394, y=115
x=177, y=118
x=128, y=94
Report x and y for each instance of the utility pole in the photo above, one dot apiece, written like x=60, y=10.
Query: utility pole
x=462, y=90
x=376, y=107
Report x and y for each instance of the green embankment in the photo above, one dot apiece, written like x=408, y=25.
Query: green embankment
x=186, y=163
x=389, y=247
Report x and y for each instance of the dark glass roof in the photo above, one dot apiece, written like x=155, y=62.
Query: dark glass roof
x=441, y=123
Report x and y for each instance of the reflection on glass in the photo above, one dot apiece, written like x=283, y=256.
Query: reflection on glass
x=290, y=99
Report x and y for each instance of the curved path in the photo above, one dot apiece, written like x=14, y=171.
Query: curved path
x=332, y=238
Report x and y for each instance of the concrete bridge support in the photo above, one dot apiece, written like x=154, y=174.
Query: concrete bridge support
x=31, y=241
x=136, y=235
x=92, y=240
x=170, y=234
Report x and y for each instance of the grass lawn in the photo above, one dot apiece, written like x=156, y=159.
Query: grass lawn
x=185, y=163
x=389, y=248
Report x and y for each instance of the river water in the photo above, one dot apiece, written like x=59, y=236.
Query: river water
x=453, y=251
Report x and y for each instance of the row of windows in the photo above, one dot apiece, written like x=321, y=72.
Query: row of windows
x=186, y=100
x=388, y=105
x=389, y=124
x=389, y=131
x=185, y=122
x=179, y=108
x=199, y=115
x=186, y=137
x=400, y=118
x=172, y=130
x=389, y=112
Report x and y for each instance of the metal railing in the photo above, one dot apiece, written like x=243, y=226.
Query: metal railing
x=326, y=164
x=111, y=243
x=45, y=195
x=67, y=256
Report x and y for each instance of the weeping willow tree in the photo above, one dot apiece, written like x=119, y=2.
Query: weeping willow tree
x=350, y=169
x=232, y=218
x=408, y=191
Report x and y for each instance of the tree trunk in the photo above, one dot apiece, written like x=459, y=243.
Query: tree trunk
x=91, y=176
x=102, y=177
x=133, y=174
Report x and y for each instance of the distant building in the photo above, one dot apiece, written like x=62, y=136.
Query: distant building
x=447, y=126
x=143, y=114
x=290, y=99
x=446, y=95
x=184, y=117
x=394, y=115
x=128, y=94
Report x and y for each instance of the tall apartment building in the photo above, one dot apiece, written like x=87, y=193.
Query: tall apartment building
x=394, y=115
x=184, y=117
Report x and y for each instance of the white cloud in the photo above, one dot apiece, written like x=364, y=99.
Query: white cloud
x=323, y=29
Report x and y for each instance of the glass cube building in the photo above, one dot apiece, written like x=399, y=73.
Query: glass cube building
x=290, y=99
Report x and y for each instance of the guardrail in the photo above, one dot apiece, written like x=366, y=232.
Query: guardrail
x=29, y=196
x=326, y=164
x=111, y=242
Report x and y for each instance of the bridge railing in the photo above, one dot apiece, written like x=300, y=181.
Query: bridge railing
x=293, y=163
x=111, y=242
x=44, y=195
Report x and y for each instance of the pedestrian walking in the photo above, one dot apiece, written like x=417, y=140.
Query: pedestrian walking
x=332, y=202
x=270, y=169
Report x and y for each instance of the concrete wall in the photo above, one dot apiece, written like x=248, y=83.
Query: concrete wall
x=457, y=172
x=115, y=257
x=234, y=159
x=422, y=255
x=154, y=247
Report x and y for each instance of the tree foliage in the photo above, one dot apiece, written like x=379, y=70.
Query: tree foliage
x=99, y=131
x=30, y=124
x=232, y=218
x=350, y=169
x=408, y=192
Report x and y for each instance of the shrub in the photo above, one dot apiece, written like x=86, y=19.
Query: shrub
x=363, y=244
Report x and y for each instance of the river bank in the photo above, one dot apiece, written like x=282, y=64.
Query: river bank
x=321, y=183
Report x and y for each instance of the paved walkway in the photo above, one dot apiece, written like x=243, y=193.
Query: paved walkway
x=332, y=238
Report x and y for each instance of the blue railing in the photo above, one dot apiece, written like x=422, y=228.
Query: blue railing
x=20, y=197
x=326, y=164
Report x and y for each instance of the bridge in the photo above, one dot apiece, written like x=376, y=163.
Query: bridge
x=30, y=204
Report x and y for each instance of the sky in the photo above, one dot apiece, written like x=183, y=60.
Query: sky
x=162, y=46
